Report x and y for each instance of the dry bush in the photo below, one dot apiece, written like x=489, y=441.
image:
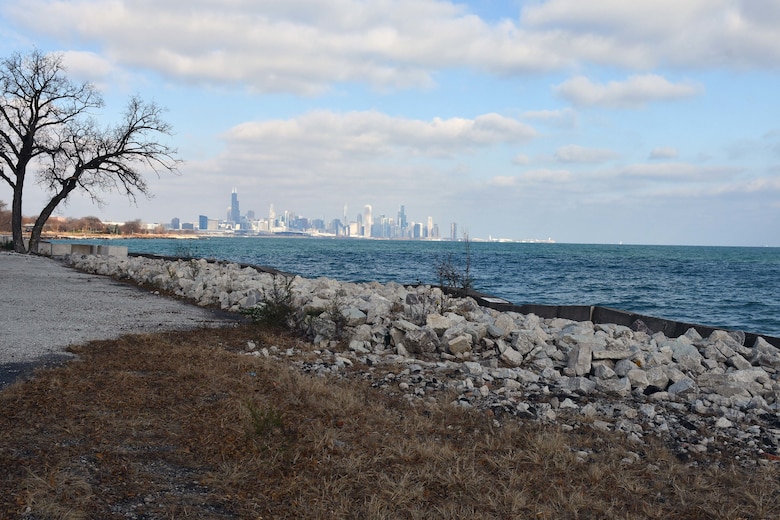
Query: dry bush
x=186, y=425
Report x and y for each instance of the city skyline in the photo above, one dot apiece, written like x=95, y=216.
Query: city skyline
x=366, y=223
x=590, y=122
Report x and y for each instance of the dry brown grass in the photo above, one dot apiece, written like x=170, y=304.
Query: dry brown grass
x=184, y=425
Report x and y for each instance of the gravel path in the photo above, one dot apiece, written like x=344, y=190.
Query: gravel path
x=46, y=306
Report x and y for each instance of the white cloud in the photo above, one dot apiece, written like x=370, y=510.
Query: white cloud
x=304, y=46
x=547, y=176
x=762, y=191
x=531, y=177
x=87, y=65
x=700, y=33
x=318, y=160
x=520, y=159
x=564, y=118
x=96, y=69
x=503, y=181
x=677, y=171
x=581, y=154
x=293, y=46
x=333, y=134
x=665, y=152
x=635, y=92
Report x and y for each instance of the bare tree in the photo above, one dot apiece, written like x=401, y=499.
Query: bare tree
x=46, y=125
x=132, y=227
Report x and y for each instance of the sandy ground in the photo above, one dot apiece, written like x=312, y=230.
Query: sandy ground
x=46, y=306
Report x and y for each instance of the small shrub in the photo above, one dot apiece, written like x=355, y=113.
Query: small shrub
x=335, y=313
x=423, y=303
x=276, y=309
x=454, y=279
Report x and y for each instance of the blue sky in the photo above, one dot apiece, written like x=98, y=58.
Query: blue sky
x=650, y=122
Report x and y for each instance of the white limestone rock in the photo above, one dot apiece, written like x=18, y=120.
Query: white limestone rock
x=638, y=378
x=504, y=325
x=765, y=354
x=620, y=386
x=581, y=385
x=459, y=344
x=422, y=341
x=524, y=341
x=738, y=362
x=683, y=387
x=580, y=359
x=438, y=323
x=354, y=316
x=511, y=357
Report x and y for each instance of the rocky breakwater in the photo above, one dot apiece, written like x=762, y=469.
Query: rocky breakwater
x=706, y=397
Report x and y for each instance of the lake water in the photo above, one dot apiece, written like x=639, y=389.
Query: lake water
x=734, y=288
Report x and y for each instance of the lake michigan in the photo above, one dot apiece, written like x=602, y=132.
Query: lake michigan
x=729, y=287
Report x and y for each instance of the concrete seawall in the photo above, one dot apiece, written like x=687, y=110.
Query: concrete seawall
x=47, y=248
x=598, y=314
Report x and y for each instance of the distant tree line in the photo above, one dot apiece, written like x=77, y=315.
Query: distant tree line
x=87, y=225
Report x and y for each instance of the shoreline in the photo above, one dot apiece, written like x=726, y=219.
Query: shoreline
x=506, y=363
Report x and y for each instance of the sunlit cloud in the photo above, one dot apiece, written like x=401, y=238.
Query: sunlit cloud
x=304, y=47
x=334, y=134
x=666, y=152
x=547, y=176
x=634, y=92
x=581, y=154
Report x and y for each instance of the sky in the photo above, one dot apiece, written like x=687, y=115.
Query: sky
x=606, y=121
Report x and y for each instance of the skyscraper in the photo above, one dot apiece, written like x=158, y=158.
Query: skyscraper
x=367, y=220
x=235, y=214
x=402, y=219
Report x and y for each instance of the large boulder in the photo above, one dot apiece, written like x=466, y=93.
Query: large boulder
x=422, y=341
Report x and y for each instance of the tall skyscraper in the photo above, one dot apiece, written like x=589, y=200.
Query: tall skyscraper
x=235, y=213
x=402, y=219
x=453, y=231
x=367, y=220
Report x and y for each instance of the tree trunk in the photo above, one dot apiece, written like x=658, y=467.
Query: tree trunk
x=35, y=236
x=16, y=217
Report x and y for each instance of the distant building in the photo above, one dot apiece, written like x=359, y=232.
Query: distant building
x=453, y=231
x=402, y=219
x=203, y=222
x=368, y=221
x=175, y=223
x=417, y=230
x=235, y=213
